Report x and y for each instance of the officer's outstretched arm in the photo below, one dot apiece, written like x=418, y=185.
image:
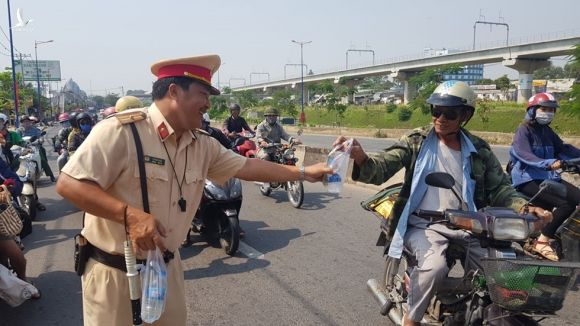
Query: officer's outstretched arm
x=260, y=170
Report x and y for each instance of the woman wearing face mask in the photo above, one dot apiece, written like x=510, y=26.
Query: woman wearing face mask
x=77, y=136
x=536, y=154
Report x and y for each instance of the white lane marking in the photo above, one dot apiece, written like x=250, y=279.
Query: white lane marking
x=249, y=251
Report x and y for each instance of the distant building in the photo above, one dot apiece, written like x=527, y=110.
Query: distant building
x=470, y=73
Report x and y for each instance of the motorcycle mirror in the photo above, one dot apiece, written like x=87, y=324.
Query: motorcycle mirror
x=440, y=180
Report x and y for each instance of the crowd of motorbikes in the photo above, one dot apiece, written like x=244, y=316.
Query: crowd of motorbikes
x=513, y=287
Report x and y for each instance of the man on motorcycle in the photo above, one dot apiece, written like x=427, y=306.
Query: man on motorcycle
x=235, y=124
x=215, y=132
x=66, y=128
x=270, y=131
x=537, y=153
x=7, y=140
x=28, y=129
x=443, y=147
x=76, y=137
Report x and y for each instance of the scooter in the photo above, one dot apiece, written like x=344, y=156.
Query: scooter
x=284, y=154
x=244, y=146
x=510, y=288
x=218, y=214
x=29, y=173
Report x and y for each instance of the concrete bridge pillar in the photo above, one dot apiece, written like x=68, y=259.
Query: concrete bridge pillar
x=525, y=68
x=409, y=90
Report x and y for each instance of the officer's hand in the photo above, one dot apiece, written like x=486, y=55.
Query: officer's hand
x=556, y=165
x=315, y=173
x=357, y=153
x=144, y=230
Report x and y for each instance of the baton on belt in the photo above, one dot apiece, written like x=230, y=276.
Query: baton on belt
x=134, y=283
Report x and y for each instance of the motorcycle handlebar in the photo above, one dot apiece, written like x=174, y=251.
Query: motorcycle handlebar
x=429, y=214
x=571, y=166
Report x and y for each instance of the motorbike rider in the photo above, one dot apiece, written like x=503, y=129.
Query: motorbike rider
x=8, y=139
x=215, y=132
x=9, y=249
x=127, y=102
x=77, y=136
x=235, y=124
x=270, y=131
x=537, y=153
x=443, y=147
x=64, y=119
x=28, y=129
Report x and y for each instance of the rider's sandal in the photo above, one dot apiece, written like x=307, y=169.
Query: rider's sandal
x=544, y=249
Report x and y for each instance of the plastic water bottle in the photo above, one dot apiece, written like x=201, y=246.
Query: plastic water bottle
x=154, y=290
x=338, y=161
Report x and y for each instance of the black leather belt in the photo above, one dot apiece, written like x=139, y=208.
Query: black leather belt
x=118, y=261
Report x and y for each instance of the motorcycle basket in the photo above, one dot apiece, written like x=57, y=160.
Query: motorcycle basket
x=528, y=285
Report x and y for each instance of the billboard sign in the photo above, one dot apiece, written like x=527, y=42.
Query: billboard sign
x=49, y=70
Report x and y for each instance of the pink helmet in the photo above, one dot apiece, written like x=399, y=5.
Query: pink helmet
x=63, y=117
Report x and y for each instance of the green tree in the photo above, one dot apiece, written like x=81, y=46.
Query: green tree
x=550, y=72
x=246, y=99
x=376, y=83
x=572, y=107
x=226, y=90
x=110, y=99
x=503, y=83
x=426, y=82
x=484, y=81
x=282, y=100
x=219, y=105
x=26, y=93
x=100, y=101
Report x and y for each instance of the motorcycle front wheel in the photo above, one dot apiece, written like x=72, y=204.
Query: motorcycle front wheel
x=229, y=234
x=28, y=204
x=295, y=193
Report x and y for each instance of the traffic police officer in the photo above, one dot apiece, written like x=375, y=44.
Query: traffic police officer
x=102, y=178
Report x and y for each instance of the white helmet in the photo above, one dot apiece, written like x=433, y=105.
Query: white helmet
x=453, y=93
x=3, y=117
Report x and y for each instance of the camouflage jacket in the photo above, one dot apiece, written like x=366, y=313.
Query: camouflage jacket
x=492, y=187
x=75, y=139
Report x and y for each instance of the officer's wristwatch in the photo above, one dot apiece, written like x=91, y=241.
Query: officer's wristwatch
x=302, y=173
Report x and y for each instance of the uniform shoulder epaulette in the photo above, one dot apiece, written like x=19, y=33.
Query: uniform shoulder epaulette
x=131, y=116
x=201, y=131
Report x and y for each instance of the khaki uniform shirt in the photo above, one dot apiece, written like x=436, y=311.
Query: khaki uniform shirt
x=108, y=157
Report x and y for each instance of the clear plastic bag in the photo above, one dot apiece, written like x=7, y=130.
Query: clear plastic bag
x=338, y=160
x=154, y=284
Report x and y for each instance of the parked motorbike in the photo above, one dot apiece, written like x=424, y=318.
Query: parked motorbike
x=284, y=154
x=218, y=214
x=511, y=288
x=28, y=171
x=244, y=146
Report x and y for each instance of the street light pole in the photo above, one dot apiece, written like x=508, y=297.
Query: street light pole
x=302, y=115
x=36, y=43
x=14, y=83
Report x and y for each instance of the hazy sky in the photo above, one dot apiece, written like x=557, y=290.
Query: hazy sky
x=107, y=44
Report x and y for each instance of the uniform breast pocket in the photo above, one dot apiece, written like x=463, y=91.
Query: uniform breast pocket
x=194, y=183
x=157, y=182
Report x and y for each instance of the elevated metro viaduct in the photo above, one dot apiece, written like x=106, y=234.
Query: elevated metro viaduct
x=525, y=58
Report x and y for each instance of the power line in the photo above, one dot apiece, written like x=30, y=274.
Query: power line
x=2, y=29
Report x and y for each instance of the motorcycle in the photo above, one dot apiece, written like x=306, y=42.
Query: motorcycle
x=284, y=154
x=510, y=288
x=61, y=149
x=244, y=146
x=218, y=214
x=28, y=171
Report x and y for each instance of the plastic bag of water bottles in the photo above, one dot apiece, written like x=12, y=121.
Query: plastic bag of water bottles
x=338, y=161
x=154, y=284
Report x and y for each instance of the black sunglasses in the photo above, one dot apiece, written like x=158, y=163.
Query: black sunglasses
x=449, y=114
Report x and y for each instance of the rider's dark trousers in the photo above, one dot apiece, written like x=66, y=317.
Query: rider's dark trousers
x=44, y=163
x=429, y=244
x=546, y=200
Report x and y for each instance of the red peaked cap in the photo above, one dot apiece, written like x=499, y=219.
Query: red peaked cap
x=200, y=68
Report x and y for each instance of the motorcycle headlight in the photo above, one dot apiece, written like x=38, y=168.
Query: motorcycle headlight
x=215, y=191
x=515, y=229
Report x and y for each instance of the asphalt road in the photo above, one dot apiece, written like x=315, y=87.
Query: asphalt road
x=296, y=267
